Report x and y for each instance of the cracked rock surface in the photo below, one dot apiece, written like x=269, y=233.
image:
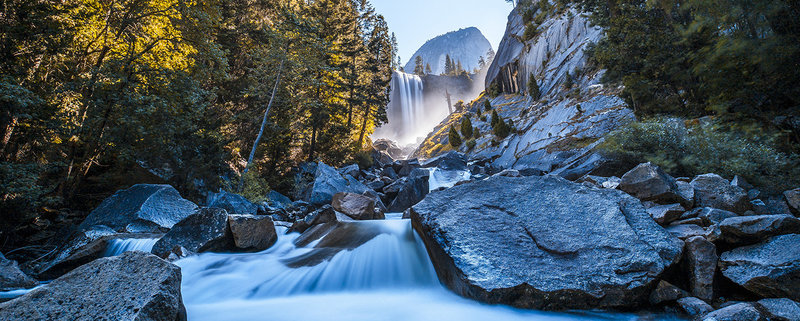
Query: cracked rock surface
x=544, y=243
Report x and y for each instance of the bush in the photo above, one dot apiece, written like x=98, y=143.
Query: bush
x=533, y=87
x=250, y=185
x=483, y=118
x=476, y=133
x=455, y=139
x=470, y=144
x=24, y=192
x=502, y=129
x=363, y=159
x=531, y=31
x=495, y=118
x=487, y=105
x=688, y=150
x=466, y=127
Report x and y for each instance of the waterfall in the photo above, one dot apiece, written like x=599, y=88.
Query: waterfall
x=365, y=270
x=119, y=246
x=408, y=117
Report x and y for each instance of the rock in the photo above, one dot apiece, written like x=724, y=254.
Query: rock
x=740, y=182
x=278, y=200
x=508, y=173
x=12, y=278
x=132, y=286
x=759, y=207
x=358, y=207
x=328, y=182
x=770, y=269
x=352, y=170
x=701, y=257
x=686, y=193
x=743, y=230
x=736, y=312
x=779, y=309
x=449, y=161
x=376, y=185
x=413, y=190
x=252, y=233
x=538, y=242
x=389, y=147
x=708, y=216
x=141, y=208
x=233, y=203
x=381, y=159
x=685, y=231
x=205, y=231
x=325, y=214
x=665, y=293
x=79, y=248
x=648, y=182
x=395, y=187
x=389, y=172
x=793, y=199
x=694, y=307
x=711, y=190
x=665, y=214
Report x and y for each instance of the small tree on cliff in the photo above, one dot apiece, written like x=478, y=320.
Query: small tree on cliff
x=495, y=118
x=419, y=66
x=455, y=139
x=487, y=105
x=466, y=127
x=533, y=88
x=428, y=69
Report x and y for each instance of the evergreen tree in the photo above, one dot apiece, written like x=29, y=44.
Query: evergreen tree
x=454, y=138
x=448, y=65
x=428, y=70
x=495, y=119
x=533, y=87
x=419, y=66
x=466, y=127
x=487, y=105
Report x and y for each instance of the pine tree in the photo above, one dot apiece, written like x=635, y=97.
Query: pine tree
x=533, y=87
x=455, y=139
x=466, y=127
x=428, y=69
x=419, y=66
x=448, y=65
x=495, y=119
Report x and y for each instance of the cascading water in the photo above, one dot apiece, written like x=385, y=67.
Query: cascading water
x=119, y=246
x=367, y=270
x=406, y=109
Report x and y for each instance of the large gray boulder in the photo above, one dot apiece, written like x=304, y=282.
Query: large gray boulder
x=694, y=307
x=711, y=190
x=328, y=181
x=449, y=161
x=79, y=248
x=770, y=269
x=780, y=309
x=544, y=243
x=358, y=207
x=735, y=312
x=132, y=286
x=141, y=208
x=205, y=231
x=251, y=232
x=793, y=199
x=752, y=229
x=233, y=203
x=12, y=278
x=648, y=182
x=701, y=258
x=413, y=190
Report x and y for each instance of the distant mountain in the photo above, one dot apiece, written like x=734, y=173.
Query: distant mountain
x=465, y=45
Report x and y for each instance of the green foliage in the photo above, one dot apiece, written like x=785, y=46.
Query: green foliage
x=487, y=105
x=531, y=31
x=470, y=144
x=500, y=128
x=495, y=118
x=707, y=147
x=466, y=127
x=454, y=137
x=363, y=159
x=533, y=87
x=476, y=133
x=568, y=81
x=23, y=192
x=251, y=186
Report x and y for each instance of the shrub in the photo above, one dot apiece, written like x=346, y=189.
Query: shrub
x=533, y=87
x=476, y=133
x=502, y=129
x=487, y=105
x=568, y=81
x=455, y=139
x=688, y=150
x=363, y=159
x=531, y=31
x=470, y=144
x=495, y=118
x=466, y=127
x=250, y=185
x=24, y=192
x=483, y=118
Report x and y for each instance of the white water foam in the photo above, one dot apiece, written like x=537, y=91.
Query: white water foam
x=119, y=246
x=440, y=178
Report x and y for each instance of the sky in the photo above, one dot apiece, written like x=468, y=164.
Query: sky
x=417, y=21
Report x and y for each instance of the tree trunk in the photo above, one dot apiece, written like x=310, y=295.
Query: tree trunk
x=7, y=134
x=264, y=121
x=361, y=135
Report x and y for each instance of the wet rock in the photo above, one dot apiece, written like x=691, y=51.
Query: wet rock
x=666, y=293
x=648, y=182
x=665, y=214
x=252, y=233
x=770, y=269
x=12, y=278
x=449, y=161
x=132, y=286
x=708, y=216
x=752, y=229
x=538, y=242
x=711, y=190
x=358, y=207
x=141, y=208
x=508, y=173
x=389, y=172
x=205, y=231
x=325, y=214
x=793, y=200
x=412, y=191
x=406, y=166
x=701, y=258
x=694, y=307
x=779, y=309
x=328, y=182
x=736, y=312
x=233, y=203
x=685, y=231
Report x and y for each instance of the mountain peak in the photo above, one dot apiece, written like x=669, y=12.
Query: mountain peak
x=466, y=45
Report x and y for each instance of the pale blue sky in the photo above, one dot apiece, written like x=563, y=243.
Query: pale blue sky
x=416, y=21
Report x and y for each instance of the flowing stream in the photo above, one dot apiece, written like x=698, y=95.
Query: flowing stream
x=369, y=270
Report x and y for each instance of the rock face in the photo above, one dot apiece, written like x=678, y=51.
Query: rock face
x=770, y=269
x=780, y=309
x=132, y=286
x=252, y=233
x=694, y=307
x=328, y=181
x=141, y=208
x=207, y=230
x=412, y=191
x=449, y=161
x=752, y=229
x=233, y=203
x=464, y=45
x=648, y=182
x=12, y=278
x=711, y=190
x=665, y=214
x=736, y=312
x=80, y=248
x=793, y=199
x=544, y=243
x=701, y=257
x=358, y=207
